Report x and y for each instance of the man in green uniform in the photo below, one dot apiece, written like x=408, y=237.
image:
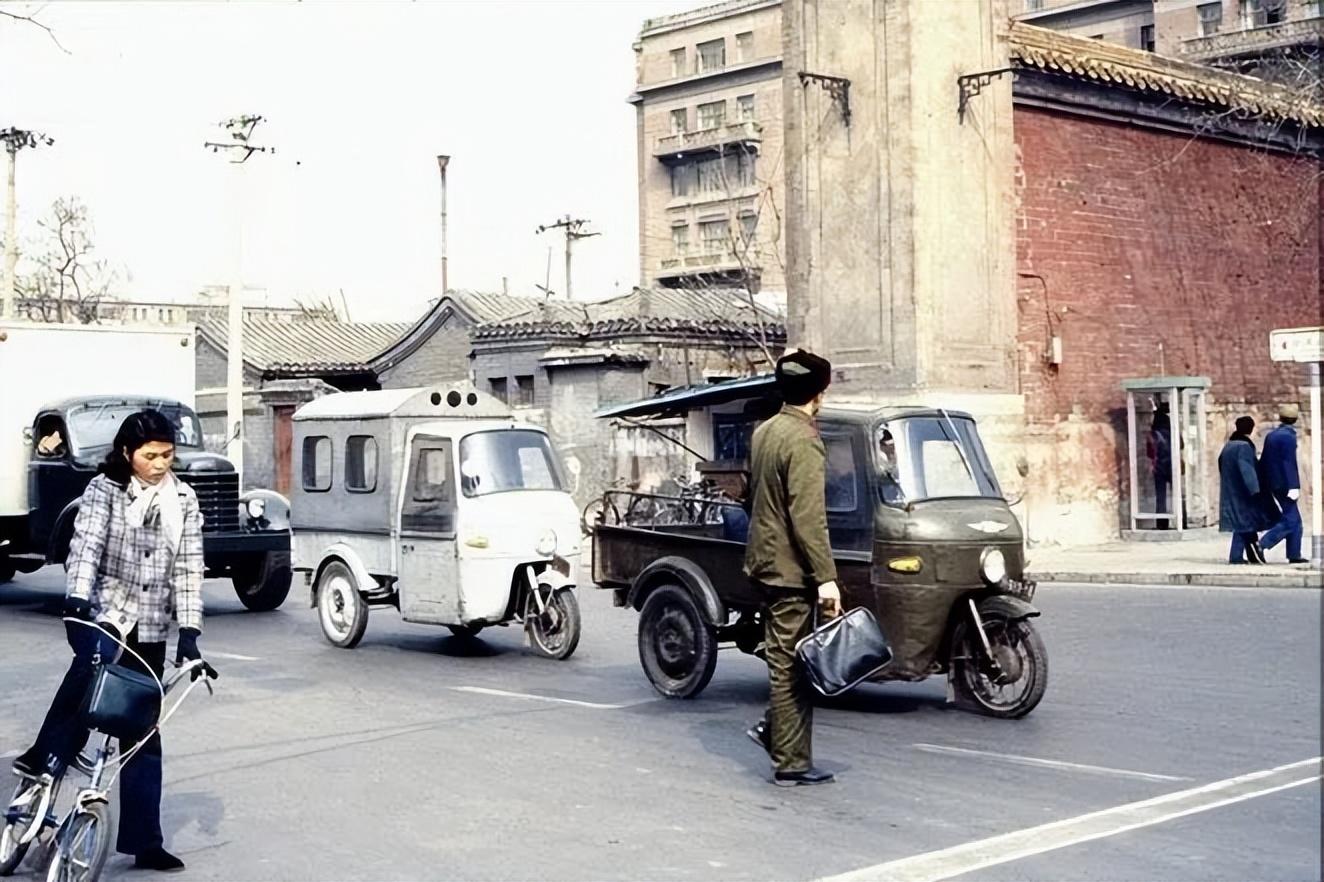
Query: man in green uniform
x=789, y=558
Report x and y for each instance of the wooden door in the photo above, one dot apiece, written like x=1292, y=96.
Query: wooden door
x=282, y=442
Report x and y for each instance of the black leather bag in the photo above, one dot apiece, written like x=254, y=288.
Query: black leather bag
x=838, y=655
x=122, y=702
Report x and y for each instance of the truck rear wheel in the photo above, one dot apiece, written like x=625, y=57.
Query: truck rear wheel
x=677, y=646
x=340, y=608
x=262, y=582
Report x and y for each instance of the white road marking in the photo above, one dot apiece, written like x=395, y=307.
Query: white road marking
x=233, y=656
x=1046, y=763
x=479, y=690
x=995, y=850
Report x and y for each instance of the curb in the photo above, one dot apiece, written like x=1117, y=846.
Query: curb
x=1308, y=580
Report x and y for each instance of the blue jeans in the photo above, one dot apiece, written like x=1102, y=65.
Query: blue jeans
x=1289, y=527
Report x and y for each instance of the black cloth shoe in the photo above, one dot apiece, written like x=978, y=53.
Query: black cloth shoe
x=759, y=734
x=158, y=859
x=29, y=763
x=1298, y=560
x=1254, y=553
x=805, y=778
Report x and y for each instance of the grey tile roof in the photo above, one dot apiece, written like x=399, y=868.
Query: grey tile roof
x=724, y=313
x=306, y=347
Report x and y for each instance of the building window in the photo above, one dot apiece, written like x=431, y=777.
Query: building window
x=711, y=55
x=712, y=116
x=1211, y=18
x=677, y=63
x=715, y=236
x=524, y=391
x=1261, y=13
x=745, y=46
x=711, y=176
x=1034, y=5
x=679, y=121
x=680, y=240
x=745, y=108
x=682, y=180
x=749, y=222
x=498, y=387
x=1147, y=38
x=361, y=464
x=744, y=169
x=317, y=464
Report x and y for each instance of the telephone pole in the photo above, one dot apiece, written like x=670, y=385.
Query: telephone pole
x=14, y=140
x=574, y=231
x=240, y=148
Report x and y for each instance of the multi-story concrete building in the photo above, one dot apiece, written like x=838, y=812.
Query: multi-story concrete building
x=1278, y=40
x=708, y=94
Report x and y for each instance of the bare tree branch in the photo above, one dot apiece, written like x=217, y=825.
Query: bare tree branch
x=32, y=19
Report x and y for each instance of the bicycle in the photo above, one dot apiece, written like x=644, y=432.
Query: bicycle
x=80, y=842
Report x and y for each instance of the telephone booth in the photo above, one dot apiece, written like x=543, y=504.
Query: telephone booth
x=1167, y=448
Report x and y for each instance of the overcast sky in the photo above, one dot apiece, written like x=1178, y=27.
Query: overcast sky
x=527, y=97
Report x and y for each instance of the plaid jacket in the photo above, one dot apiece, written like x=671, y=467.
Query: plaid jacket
x=128, y=574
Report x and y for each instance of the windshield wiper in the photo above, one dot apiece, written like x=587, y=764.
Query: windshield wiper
x=960, y=448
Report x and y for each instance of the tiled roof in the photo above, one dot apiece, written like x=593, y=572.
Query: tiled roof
x=664, y=311
x=489, y=307
x=306, y=347
x=1056, y=52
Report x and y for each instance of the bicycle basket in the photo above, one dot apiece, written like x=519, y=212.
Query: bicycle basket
x=122, y=702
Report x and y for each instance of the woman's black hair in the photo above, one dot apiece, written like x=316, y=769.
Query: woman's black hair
x=140, y=428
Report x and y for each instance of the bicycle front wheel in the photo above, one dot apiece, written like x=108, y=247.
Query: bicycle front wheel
x=21, y=816
x=83, y=845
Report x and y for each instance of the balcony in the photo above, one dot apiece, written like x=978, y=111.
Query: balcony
x=714, y=264
x=1252, y=41
x=670, y=148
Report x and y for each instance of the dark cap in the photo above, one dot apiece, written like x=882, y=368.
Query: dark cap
x=801, y=376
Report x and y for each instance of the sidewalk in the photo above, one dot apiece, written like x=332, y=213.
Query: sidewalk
x=1196, y=561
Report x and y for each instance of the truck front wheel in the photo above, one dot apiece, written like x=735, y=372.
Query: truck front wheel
x=262, y=581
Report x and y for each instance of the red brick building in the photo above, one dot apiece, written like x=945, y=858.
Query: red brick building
x=1168, y=217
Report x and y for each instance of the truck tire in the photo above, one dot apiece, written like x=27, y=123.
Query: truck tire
x=341, y=610
x=677, y=646
x=263, y=582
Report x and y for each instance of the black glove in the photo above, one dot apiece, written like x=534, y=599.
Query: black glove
x=188, y=651
x=81, y=634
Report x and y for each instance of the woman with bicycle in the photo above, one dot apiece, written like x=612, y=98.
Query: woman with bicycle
x=135, y=560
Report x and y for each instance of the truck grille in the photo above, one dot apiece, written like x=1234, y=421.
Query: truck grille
x=218, y=497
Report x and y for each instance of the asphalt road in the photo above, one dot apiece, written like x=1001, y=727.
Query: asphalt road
x=422, y=756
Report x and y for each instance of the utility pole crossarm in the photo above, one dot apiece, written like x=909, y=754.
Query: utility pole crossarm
x=574, y=231
x=14, y=139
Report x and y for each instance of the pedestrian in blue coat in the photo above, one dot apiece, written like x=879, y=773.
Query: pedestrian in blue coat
x=1280, y=476
x=1239, y=509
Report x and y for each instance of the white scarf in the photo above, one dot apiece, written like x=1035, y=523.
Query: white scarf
x=148, y=501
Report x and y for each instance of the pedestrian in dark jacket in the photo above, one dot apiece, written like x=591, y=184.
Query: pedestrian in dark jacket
x=1160, y=461
x=1239, y=510
x=135, y=562
x=1280, y=476
x=789, y=559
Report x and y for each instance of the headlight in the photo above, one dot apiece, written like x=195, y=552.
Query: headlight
x=257, y=508
x=547, y=544
x=993, y=566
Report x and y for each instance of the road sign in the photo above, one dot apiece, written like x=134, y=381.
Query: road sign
x=1297, y=344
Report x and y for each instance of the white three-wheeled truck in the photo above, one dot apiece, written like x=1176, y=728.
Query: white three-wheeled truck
x=439, y=503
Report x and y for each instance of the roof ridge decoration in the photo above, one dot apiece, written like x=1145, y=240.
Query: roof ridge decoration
x=1054, y=51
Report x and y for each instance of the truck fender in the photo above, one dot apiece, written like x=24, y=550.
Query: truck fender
x=63, y=534
x=690, y=576
x=278, y=508
x=1011, y=608
x=349, y=557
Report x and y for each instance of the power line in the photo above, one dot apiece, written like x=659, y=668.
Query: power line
x=574, y=231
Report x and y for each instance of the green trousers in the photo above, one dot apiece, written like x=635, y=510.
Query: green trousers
x=788, y=619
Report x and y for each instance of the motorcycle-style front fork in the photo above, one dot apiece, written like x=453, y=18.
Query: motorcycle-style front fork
x=988, y=661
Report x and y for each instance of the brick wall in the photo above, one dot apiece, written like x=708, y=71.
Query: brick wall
x=1151, y=253
x=444, y=358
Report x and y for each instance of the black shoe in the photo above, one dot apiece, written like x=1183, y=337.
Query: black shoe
x=32, y=764
x=1297, y=560
x=1254, y=553
x=805, y=778
x=759, y=734
x=158, y=859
